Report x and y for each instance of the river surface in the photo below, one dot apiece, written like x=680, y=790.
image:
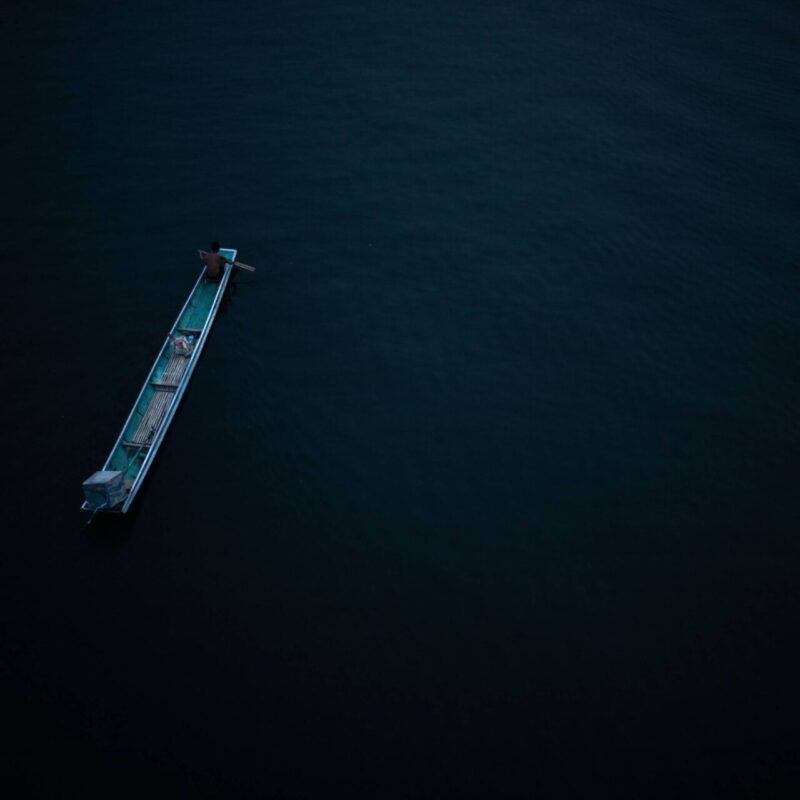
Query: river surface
x=486, y=482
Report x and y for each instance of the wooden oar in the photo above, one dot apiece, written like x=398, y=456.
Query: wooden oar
x=235, y=263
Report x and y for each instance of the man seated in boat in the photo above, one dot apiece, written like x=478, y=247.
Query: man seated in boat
x=214, y=261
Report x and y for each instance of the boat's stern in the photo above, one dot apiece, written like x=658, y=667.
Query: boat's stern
x=104, y=490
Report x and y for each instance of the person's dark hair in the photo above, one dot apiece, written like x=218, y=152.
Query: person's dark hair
x=214, y=247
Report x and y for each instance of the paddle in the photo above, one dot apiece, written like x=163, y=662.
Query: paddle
x=235, y=263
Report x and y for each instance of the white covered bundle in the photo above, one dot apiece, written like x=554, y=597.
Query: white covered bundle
x=183, y=346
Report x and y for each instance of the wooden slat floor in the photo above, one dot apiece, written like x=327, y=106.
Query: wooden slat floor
x=160, y=401
x=174, y=370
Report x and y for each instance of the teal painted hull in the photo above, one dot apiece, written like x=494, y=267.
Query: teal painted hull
x=144, y=430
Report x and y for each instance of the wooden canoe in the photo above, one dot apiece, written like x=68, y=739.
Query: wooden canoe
x=144, y=430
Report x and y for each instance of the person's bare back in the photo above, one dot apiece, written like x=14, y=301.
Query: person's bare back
x=214, y=261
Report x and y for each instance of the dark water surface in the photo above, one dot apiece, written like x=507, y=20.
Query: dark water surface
x=486, y=483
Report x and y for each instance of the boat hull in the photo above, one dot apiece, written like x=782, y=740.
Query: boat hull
x=146, y=426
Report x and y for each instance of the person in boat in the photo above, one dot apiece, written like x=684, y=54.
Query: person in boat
x=214, y=261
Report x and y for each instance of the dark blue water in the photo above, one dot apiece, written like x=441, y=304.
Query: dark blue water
x=486, y=484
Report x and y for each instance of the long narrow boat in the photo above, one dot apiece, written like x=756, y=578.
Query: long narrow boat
x=114, y=487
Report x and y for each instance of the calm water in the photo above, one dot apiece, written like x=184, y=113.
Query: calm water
x=487, y=481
